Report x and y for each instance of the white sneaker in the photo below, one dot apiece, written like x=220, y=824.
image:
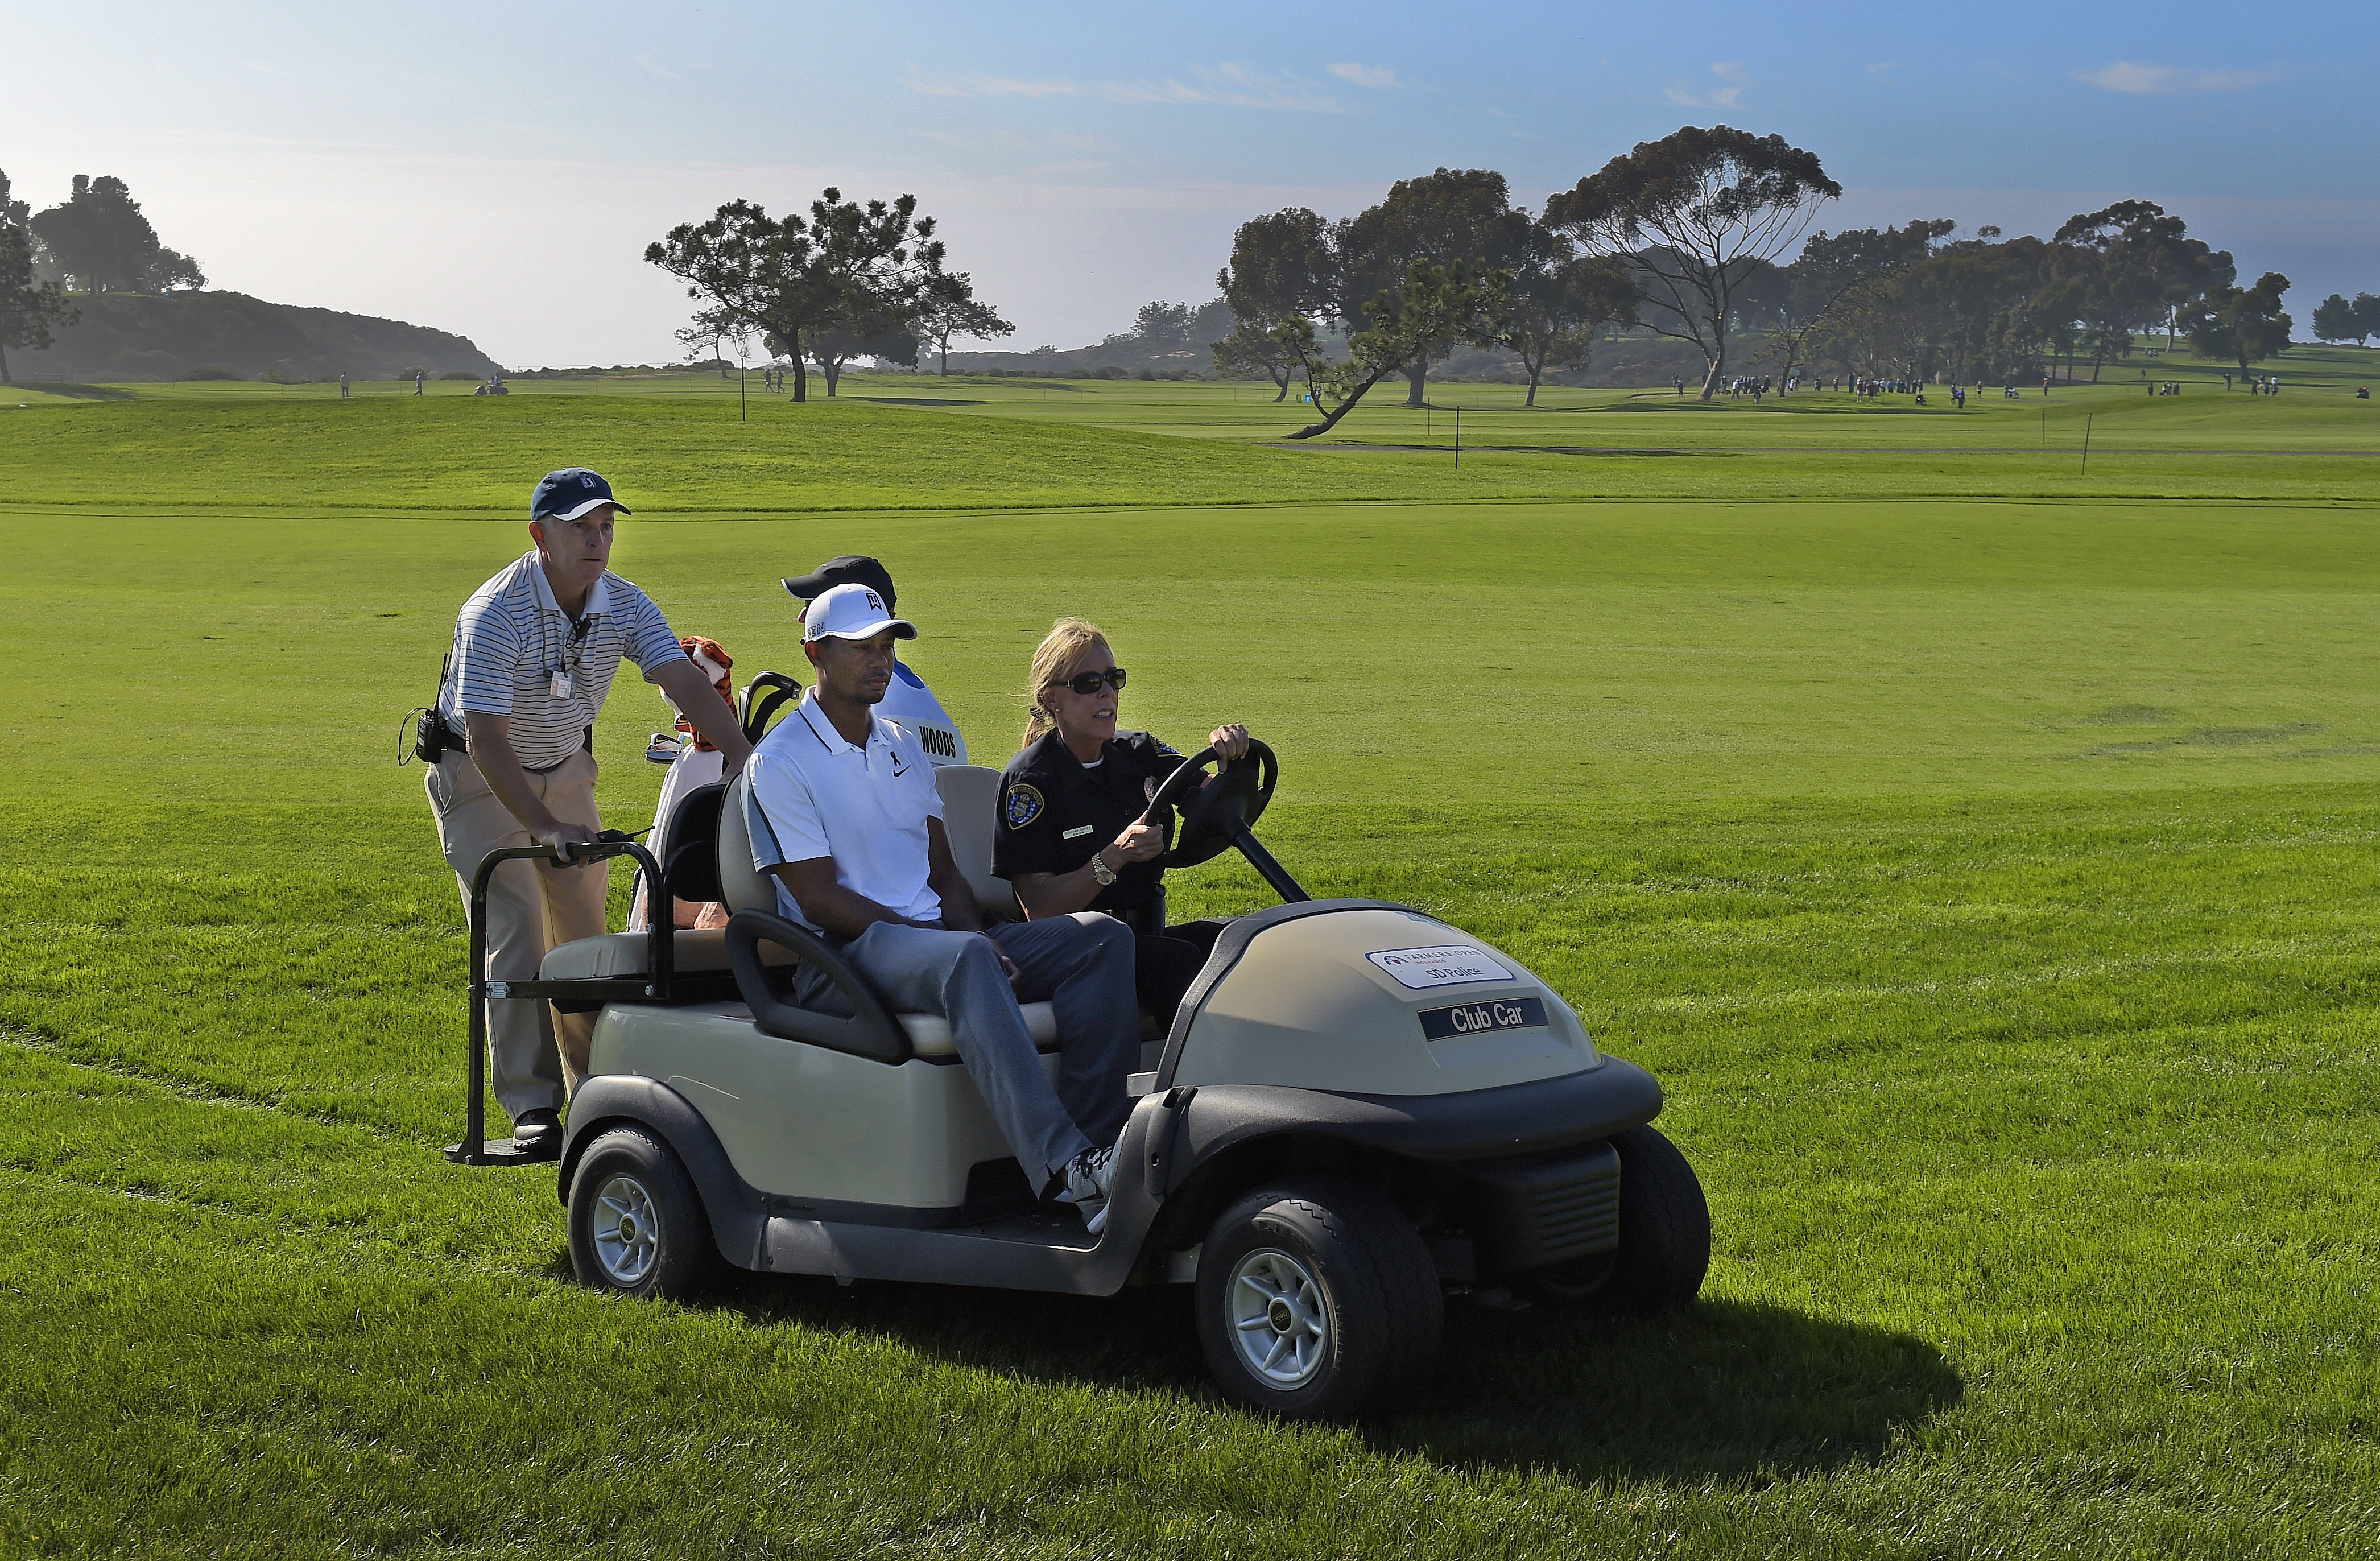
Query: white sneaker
x=1088, y=1177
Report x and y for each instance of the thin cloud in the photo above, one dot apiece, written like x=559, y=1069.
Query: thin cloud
x=994, y=87
x=1381, y=76
x=1881, y=66
x=647, y=63
x=2152, y=81
x=1229, y=84
x=1738, y=75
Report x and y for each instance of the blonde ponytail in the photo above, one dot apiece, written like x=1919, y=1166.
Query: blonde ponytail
x=1067, y=639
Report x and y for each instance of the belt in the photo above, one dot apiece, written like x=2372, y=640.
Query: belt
x=586, y=745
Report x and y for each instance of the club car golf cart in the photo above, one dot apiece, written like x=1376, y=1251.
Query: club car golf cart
x=1358, y=1110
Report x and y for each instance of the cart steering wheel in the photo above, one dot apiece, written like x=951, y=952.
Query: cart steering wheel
x=1216, y=814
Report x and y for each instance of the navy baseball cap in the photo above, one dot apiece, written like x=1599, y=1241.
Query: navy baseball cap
x=571, y=493
x=850, y=569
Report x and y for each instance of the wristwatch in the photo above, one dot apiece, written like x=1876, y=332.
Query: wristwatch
x=1100, y=870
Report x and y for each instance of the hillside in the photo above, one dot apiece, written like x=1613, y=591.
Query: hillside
x=133, y=337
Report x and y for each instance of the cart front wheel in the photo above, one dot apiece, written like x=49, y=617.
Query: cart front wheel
x=1317, y=1299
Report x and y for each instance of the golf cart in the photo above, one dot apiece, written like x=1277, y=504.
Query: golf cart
x=1357, y=1110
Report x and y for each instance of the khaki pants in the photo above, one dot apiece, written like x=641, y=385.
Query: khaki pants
x=532, y=907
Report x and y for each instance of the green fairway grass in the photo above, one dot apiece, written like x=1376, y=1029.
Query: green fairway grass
x=694, y=455
x=1987, y=879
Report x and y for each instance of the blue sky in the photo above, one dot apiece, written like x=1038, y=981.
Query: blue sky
x=498, y=169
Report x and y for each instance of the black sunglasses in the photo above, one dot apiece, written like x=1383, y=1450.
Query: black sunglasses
x=1088, y=682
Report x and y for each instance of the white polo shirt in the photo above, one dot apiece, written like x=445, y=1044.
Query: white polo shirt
x=817, y=795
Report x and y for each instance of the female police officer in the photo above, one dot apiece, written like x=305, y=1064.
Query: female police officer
x=1073, y=833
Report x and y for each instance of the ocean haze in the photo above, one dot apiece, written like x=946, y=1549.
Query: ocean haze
x=497, y=173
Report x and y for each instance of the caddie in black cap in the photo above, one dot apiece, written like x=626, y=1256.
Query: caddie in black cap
x=907, y=700
x=850, y=569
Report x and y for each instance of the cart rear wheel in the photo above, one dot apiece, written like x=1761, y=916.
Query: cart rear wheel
x=1317, y=1299
x=637, y=1224
x=1665, y=1235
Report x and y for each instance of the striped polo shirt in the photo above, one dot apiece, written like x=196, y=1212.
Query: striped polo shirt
x=512, y=639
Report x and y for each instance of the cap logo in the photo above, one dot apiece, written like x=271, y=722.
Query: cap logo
x=587, y=479
x=875, y=604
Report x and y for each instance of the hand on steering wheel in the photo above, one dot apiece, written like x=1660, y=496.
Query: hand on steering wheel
x=1141, y=841
x=1214, y=811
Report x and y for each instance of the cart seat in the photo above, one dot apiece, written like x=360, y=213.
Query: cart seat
x=930, y=1034
x=625, y=954
x=969, y=794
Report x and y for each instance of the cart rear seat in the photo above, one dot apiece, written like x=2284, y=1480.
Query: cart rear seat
x=969, y=792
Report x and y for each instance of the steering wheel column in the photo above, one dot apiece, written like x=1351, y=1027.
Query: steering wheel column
x=1222, y=812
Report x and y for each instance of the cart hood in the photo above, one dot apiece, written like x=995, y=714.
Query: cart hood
x=1371, y=998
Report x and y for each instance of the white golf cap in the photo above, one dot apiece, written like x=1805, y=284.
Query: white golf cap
x=852, y=612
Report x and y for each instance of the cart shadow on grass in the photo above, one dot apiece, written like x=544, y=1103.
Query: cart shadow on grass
x=1729, y=1390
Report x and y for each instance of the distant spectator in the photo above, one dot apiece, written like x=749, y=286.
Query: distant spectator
x=342, y=388
x=417, y=382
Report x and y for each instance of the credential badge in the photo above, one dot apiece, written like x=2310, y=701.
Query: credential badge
x=1024, y=805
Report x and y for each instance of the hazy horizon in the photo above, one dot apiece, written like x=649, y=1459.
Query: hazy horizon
x=499, y=174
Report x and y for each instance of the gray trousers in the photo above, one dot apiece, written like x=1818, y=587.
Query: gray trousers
x=1081, y=964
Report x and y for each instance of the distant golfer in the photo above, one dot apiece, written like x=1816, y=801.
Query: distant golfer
x=535, y=652
x=342, y=388
x=417, y=382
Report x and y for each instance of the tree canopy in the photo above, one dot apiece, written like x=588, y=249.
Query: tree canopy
x=1560, y=299
x=1447, y=217
x=1691, y=214
x=952, y=312
x=2240, y=323
x=854, y=269
x=103, y=243
x=29, y=308
x=2335, y=319
x=1434, y=307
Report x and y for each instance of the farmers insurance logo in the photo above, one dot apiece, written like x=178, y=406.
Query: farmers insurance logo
x=1453, y=964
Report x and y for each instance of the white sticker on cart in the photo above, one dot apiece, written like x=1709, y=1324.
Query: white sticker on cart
x=1453, y=964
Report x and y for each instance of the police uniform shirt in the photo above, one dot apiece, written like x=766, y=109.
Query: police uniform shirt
x=910, y=704
x=1055, y=812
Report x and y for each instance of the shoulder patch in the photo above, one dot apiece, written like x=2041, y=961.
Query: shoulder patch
x=1024, y=805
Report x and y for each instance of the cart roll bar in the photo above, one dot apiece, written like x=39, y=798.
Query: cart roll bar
x=871, y=1031
x=654, y=984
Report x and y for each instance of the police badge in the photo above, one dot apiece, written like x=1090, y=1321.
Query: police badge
x=1024, y=805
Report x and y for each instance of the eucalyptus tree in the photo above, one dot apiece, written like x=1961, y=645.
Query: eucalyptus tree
x=1691, y=214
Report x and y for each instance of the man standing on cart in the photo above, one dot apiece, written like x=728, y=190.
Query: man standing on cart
x=536, y=648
